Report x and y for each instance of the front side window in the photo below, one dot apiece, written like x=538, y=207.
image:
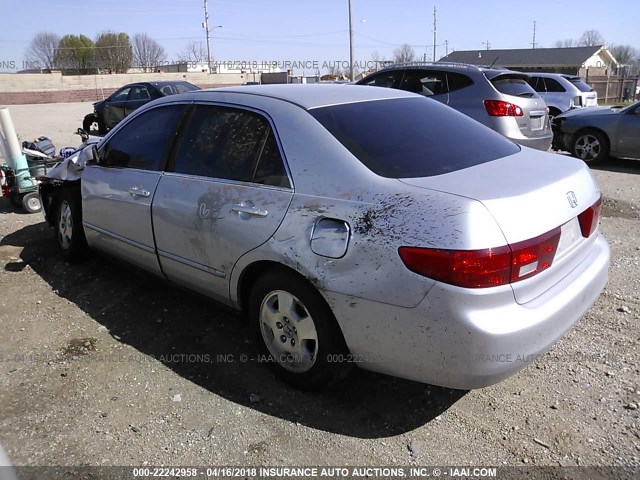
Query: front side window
x=121, y=96
x=139, y=93
x=232, y=144
x=144, y=142
x=384, y=79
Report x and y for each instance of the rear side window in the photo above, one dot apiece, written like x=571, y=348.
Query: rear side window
x=554, y=86
x=232, y=144
x=458, y=81
x=425, y=82
x=583, y=87
x=513, y=85
x=412, y=137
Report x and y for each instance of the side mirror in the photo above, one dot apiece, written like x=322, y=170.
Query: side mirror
x=89, y=155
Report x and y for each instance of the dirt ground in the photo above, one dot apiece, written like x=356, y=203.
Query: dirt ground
x=102, y=365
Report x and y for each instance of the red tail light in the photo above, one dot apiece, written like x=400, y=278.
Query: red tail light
x=498, y=108
x=484, y=268
x=589, y=218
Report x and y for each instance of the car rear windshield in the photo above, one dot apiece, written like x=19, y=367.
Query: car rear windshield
x=513, y=85
x=580, y=85
x=412, y=137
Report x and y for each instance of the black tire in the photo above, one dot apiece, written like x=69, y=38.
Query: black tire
x=553, y=112
x=102, y=128
x=310, y=364
x=15, y=199
x=88, y=122
x=591, y=146
x=31, y=202
x=68, y=227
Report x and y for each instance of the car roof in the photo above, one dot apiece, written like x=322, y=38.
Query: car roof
x=553, y=75
x=489, y=72
x=167, y=82
x=306, y=96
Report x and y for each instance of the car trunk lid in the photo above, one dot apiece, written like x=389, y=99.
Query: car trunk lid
x=529, y=194
x=534, y=121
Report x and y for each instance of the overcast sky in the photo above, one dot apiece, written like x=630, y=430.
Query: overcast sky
x=304, y=30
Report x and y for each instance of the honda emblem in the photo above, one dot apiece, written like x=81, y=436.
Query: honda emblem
x=571, y=197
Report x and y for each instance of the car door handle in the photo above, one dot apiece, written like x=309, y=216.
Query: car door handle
x=139, y=192
x=256, y=212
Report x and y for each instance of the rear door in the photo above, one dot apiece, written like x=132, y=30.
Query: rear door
x=227, y=194
x=117, y=193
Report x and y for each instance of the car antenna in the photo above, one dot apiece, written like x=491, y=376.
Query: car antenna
x=494, y=62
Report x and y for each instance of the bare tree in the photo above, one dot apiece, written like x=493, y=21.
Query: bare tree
x=147, y=53
x=627, y=57
x=404, y=54
x=624, y=54
x=194, y=52
x=379, y=60
x=42, y=50
x=591, y=38
x=567, y=43
x=114, y=52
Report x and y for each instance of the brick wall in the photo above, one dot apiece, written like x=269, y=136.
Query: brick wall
x=65, y=96
x=21, y=88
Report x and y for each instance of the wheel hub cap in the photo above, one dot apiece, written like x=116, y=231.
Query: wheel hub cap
x=288, y=331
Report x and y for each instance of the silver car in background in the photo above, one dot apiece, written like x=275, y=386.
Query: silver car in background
x=500, y=99
x=362, y=226
x=562, y=92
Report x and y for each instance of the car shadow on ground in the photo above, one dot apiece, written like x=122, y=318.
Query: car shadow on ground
x=619, y=165
x=205, y=343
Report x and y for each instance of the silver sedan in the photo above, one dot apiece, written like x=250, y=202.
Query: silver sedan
x=355, y=226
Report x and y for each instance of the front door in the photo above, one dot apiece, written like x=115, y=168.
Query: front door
x=629, y=134
x=117, y=192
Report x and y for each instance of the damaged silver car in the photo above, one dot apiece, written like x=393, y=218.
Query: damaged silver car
x=355, y=226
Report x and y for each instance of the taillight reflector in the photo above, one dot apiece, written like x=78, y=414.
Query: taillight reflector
x=498, y=108
x=589, y=218
x=484, y=268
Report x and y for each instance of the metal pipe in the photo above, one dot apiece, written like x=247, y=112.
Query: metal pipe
x=352, y=73
x=14, y=156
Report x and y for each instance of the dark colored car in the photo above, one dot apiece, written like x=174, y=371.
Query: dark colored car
x=594, y=133
x=110, y=111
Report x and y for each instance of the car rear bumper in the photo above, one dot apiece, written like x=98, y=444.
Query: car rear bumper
x=539, y=143
x=468, y=338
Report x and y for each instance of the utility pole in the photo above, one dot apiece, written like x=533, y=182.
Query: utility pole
x=487, y=44
x=206, y=28
x=352, y=73
x=533, y=43
x=434, y=33
x=446, y=48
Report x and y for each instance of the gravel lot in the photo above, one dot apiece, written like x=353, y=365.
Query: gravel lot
x=96, y=369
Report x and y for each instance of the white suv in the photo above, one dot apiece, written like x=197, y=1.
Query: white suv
x=562, y=92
